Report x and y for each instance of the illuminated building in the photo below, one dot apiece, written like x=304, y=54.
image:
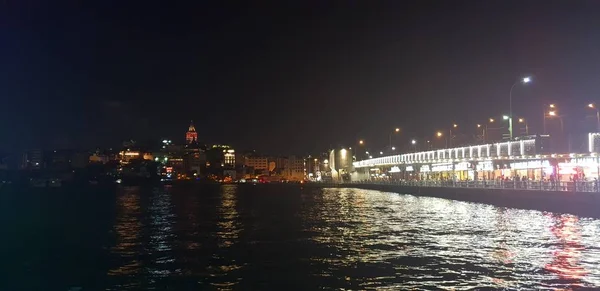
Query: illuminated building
x=191, y=136
x=127, y=156
x=220, y=156
x=229, y=157
x=257, y=162
x=295, y=169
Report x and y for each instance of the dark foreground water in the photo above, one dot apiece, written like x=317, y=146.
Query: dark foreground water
x=270, y=237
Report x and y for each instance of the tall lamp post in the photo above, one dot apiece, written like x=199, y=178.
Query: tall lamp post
x=593, y=106
x=414, y=144
x=440, y=134
x=483, y=130
x=554, y=114
x=391, y=133
x=552, y=108
x=451, y=136
x=510, y=115
x=359, y=148
x=523, y=120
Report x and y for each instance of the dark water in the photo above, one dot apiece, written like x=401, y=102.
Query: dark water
x=270, y=237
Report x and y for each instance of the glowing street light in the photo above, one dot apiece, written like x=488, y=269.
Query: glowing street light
x=381, y=153
x=554, y=106
x=505, y=117
x=454, y=125
x=361, y=142
x=484, y=129
x=393, y=148
x=593, y=106
x=522, y=120
x=413, y=141
x=440, y=134
x=492, y=120
x=552, y=113
x=397, y=130
x=510, y=114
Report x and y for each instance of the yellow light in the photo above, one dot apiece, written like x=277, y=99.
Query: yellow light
x=361, y=141
x=455, y=125
x=478, y=125
x=491, y=120
x=552, y=106
x=439, y=133
x=552, y=113
x=591, y=105
x=521, y=120
x=397, y=129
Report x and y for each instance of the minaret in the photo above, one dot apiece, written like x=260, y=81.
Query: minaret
x=191, y=136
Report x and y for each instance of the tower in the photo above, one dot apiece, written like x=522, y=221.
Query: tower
x=191, y=136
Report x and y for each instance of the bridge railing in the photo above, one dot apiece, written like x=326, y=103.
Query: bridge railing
x=571, y=186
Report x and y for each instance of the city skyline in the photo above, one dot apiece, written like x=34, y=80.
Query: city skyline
x=297, y=78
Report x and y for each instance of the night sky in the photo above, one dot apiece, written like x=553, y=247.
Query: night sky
x=291, y=77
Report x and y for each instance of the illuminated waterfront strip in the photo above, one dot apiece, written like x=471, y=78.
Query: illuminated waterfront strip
x=514, y=150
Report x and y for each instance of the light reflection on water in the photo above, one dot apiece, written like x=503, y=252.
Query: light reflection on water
x=274, y=237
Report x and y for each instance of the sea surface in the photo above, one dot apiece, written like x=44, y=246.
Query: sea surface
x=285, y=237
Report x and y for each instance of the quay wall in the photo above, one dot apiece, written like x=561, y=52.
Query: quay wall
x=578, y=203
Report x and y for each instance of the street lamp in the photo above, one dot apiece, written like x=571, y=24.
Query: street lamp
x=439, y=134
x=454, y=125
x=593, y=106
x=414, y=144
x=553, y=113
x=361, y=142
x=483, y=130
x=510, y=115
x=395, y=131
x=522, y=120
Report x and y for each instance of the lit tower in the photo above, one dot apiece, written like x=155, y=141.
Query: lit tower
x=191, y=136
